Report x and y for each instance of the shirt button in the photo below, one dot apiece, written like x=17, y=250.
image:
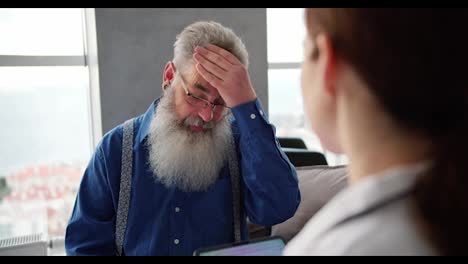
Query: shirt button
x=252, y=116
x=177, y=209
x=176, y=241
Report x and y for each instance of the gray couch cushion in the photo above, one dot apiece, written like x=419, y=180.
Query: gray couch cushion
x=318, y=184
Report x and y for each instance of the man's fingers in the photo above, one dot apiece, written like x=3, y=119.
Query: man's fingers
x=210, y=66
x=208, y=76
x=224, y=53
x=214, y=58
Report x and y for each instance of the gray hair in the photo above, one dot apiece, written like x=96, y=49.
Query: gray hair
x=203, y=33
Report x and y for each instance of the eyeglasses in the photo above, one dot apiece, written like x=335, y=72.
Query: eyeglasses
x=217, y=110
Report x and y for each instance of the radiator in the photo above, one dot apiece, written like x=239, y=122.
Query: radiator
x=29, y=245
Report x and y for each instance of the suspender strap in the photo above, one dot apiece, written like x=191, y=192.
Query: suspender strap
x=236, y=193
x=125, y=185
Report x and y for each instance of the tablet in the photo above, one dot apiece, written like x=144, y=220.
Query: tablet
x=266, y=246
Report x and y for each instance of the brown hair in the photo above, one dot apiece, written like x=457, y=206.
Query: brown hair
x=414, y=61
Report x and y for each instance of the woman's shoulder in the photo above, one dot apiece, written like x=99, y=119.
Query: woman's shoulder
x=389, y=230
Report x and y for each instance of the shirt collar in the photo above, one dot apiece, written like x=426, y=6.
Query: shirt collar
x=147, y=118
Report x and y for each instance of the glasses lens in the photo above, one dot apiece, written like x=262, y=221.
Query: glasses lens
x=195, y=101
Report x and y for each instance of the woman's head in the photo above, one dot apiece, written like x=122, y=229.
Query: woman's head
x=411, y=62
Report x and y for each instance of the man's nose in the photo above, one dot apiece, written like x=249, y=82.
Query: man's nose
x=206, y=113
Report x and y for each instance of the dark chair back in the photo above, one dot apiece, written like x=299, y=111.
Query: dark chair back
x=303, y=157
x=290, y=142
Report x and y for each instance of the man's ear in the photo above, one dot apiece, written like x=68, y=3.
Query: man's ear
x=327, y=59
x=168, y=74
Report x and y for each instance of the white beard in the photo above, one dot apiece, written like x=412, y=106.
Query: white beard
x=179, y=157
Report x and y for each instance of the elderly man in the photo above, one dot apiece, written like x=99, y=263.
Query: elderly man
x=173, y=188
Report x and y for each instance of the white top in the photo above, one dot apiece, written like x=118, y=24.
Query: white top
x=371, y=217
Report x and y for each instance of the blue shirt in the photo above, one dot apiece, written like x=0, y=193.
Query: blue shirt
x=167, y=221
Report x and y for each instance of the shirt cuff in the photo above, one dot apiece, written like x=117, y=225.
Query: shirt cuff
x=250, y=117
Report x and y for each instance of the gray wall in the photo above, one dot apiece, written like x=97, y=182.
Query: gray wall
x=135, y=44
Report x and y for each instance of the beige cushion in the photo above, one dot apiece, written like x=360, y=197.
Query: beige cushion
x=318, y=184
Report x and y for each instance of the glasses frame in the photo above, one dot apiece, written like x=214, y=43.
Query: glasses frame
x=206, y=102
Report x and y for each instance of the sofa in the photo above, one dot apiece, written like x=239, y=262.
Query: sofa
x=318, y=184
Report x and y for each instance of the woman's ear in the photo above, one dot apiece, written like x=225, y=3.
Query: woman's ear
x=326, y=56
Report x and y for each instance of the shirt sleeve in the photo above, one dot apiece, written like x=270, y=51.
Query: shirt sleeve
x=271, y=190
x=91, y=228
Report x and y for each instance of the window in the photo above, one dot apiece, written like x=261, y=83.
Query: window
x=44, y=108
x=285, y=36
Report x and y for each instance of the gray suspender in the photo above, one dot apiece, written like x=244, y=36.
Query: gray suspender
x=126, y=186
x=236, y=194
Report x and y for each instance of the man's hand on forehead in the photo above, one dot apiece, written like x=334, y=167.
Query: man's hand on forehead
x=226, y=73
